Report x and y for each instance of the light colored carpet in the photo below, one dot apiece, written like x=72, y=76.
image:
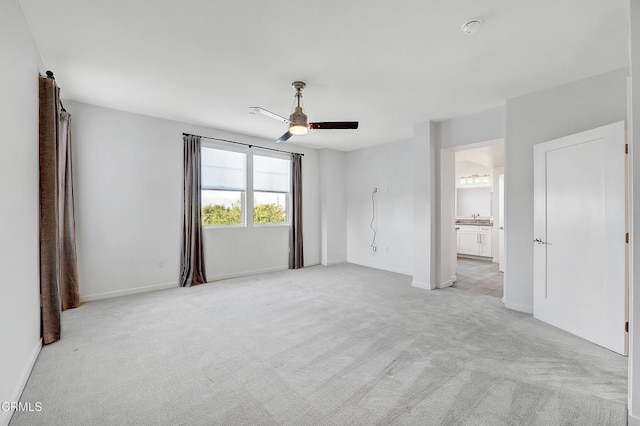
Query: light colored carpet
x=338, y=345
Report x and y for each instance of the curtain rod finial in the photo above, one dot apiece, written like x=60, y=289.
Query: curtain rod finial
x=50, y=74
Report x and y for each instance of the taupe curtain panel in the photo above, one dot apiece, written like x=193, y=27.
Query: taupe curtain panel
x=296, y=255
x=192, y=271
x=58, y=264
x=68, y=259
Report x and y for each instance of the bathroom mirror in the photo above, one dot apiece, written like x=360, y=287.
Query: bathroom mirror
x=470, y=201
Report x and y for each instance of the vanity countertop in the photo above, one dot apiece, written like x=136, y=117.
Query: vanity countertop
x=478, y=222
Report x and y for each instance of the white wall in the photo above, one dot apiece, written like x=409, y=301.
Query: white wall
x=19, y=211
x=447, y=260
x=333, y=206
x=426, y=193
x=470, y=129
x=389, y=168
x=533, y=119
x=468, y=168
x=404, y=173
x=128, y=175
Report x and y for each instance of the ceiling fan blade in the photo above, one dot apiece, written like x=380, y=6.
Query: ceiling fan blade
x=259, y=110
x=334, y=125
x=285, y=137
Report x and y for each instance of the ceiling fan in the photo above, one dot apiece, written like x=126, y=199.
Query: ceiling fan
x=297, y=121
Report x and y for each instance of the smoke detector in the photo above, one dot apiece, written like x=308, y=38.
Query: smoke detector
x=470, y=27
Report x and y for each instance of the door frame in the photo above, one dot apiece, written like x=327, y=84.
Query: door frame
x=501, y=240
x=447, y=239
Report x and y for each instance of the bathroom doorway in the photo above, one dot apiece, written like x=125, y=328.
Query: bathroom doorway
x=472, y=216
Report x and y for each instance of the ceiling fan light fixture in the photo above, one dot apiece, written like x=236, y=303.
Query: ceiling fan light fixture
x=298, y=129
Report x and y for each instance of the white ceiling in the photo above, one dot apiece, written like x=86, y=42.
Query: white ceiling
x=470, y=168
x=487, y=157
x=386, y=64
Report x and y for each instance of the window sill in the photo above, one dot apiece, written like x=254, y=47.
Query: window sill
x=223, y=226
x=263, y=225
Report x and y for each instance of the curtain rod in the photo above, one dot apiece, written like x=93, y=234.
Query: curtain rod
x=50, y=76
x=241, y=143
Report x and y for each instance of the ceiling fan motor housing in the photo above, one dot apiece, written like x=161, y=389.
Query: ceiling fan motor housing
x=298, y=117
x=299, y=124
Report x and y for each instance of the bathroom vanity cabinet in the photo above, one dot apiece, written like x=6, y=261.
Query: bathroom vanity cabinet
x=474, y=240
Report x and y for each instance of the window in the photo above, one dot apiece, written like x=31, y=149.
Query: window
x=224, y=185
x=225, y=174
x=271, y=183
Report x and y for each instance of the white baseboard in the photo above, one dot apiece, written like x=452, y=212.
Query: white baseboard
x=118, y=293
x=517, y=307
x=5, y=416
x=335, y=262
x=445, y=284
x=155, y=287
x=633, y=420
x=383, y=267
x=246, y=273
x=421, y=285
x=454, y=278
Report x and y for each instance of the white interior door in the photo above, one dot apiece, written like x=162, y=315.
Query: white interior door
x=579, y=247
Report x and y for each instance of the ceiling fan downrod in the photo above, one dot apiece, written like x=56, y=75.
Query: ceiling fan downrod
x=299, y=122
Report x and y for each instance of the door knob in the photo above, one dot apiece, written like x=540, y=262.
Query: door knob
x=539, y=241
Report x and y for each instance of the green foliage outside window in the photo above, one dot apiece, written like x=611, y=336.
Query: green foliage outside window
x=268, y=213
x=220, y=215
x=262, y=214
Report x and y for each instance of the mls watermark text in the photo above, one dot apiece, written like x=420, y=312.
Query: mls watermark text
x=32, y=407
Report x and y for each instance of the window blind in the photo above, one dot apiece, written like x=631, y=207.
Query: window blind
x=223, y=170
x=271, y=174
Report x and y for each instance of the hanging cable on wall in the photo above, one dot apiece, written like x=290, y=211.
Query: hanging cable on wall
x=373, y=218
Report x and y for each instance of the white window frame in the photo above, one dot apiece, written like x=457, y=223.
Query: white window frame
x=281, y=156
x=247, y=197
x=287, y=221
x=244, y=196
